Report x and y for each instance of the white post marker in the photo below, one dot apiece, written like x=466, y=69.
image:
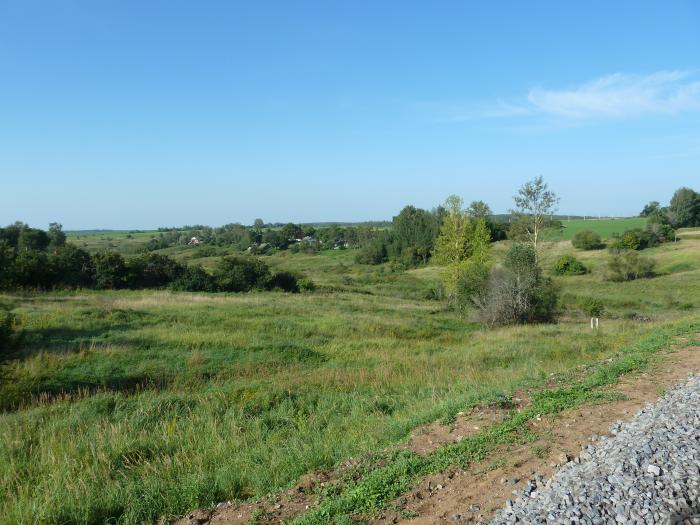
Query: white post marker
x=594, y=323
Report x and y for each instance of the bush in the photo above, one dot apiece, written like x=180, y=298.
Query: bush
x=110, y=270
x=285, y=281
x=31, y=270
x=587, y=240
x=72, y=267
x=569, y=265
x=470, y=284
x=517, y=292
x=194, y=279
x=592, y=307
x=152, y=270
x=629, y=265
x=306, y=285
x=655, y=233
x=241, y=274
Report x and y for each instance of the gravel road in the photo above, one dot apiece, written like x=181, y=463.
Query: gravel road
x=648, y=472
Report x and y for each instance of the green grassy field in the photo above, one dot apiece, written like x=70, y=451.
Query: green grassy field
x=125, y=242
x=604, y=227
x=129, y=406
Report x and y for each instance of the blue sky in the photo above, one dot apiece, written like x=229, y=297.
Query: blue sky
x=136, y=114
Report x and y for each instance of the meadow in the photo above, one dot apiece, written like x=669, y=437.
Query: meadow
x=606, y=227
x=125, y=242
x=132, y=406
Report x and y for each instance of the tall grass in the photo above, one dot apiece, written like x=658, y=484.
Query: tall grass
x=129, y=406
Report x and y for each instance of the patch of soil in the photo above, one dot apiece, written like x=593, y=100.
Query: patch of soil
x=473, y=494
x=275, y=509
x=428, y=438
x=476, y=493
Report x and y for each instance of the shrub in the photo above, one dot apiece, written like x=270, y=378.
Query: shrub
x=152, y=270
x=110, y=270
x=411, y=257
x=31, y=270
x=657, y=228
x=517, y=292
x=72, y=267
x=630, y=240
x=569, y=265
x=587, y=240
x=241, y=274
x=285, y=281
x=629, y=265
x=471, y=278
x=592, y=307
x=655, y=233
x=194, y=279
x=306, y=285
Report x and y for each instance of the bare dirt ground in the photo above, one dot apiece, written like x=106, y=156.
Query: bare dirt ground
x=473, y=494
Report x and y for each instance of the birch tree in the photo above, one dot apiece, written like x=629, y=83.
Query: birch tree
x=534, y=203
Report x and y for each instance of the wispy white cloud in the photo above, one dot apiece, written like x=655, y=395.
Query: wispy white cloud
x=614, y=96
x=620, y=95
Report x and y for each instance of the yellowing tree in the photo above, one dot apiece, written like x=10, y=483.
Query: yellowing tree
x=463, y=247
x=452, y=244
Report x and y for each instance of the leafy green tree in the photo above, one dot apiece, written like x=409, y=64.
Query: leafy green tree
x=276, y=239
x=56, y=236
x=480, y=242
x=372, y=253
x=684, y=209
x=291, y=231
x=534, y=204
x=479, y=210
x=10, y=234
x=32, y=239
x=463, y=247
x=652, y=207
x=452, y=244
x=415, y=230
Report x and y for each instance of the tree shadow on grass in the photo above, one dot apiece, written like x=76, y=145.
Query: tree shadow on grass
x=24, y=382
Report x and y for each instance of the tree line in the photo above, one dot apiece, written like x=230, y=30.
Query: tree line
x=31, y=258
x=682, y=212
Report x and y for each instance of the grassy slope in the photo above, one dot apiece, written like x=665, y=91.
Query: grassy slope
x=155, y=403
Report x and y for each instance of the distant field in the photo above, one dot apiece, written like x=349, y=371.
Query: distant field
x=122, y=241
x=605, y=227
